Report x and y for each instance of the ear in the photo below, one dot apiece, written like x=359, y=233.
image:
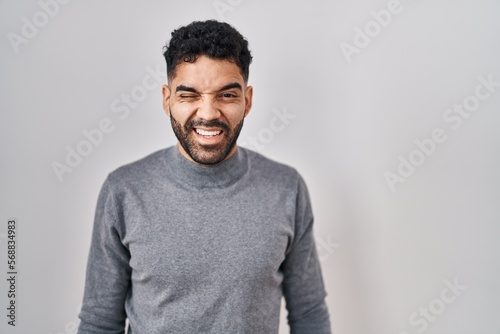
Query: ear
x=165, y=90
x=248, y=99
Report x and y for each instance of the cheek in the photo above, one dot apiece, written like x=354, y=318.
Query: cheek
x=181, y=112
x=235, y=113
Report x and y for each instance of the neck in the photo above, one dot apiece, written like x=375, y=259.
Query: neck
x=195, y=175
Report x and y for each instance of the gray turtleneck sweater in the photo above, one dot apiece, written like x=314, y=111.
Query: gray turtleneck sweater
x=181, y=248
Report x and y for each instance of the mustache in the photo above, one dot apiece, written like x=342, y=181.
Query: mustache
x=207, y=124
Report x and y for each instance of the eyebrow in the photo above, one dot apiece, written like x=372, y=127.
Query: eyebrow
x=185, y=89
x=231, y=86
x=193, y=90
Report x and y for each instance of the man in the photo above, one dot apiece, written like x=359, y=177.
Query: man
x=204, y=237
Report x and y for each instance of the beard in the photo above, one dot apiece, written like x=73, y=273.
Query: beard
x=206, y=154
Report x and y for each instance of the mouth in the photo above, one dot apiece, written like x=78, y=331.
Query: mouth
x=207, y=133
x=209, y=137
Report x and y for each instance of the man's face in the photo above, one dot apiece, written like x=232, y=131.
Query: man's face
x=207, y=101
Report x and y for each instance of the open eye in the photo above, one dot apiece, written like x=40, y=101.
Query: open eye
x=228, y=96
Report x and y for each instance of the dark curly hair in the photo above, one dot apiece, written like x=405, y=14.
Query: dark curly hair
x=211, y=38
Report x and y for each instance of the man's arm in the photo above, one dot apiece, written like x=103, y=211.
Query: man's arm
x=108, y=271
x=303, y=284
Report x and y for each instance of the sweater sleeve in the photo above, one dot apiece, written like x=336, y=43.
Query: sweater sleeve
x=108, y=271
x=303, y=286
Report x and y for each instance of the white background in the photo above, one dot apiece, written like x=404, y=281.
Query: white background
x=386, y=255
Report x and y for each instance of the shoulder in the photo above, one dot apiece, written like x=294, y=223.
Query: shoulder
x=141, y=171
x=273, y=171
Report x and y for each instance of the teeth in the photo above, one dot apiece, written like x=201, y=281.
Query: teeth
x=207, y=133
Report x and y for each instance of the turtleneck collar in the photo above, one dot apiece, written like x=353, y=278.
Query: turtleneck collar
x=193, y=175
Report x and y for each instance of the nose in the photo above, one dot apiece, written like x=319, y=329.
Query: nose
x=208, y=108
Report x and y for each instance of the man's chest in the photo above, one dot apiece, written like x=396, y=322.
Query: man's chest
x=202, y=239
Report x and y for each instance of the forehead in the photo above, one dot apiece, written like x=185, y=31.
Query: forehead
x=207, y=73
